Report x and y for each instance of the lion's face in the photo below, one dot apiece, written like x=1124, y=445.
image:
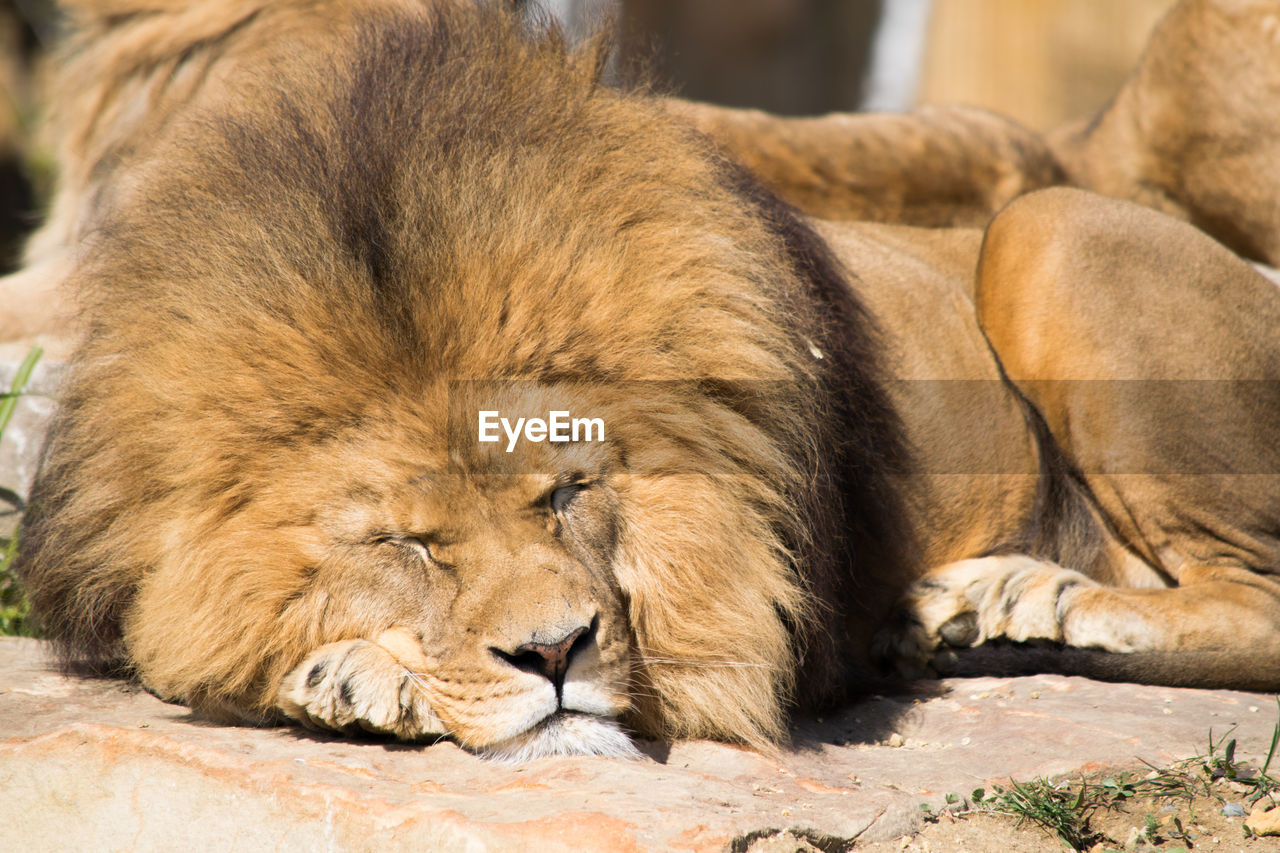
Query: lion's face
x=515, y=588
x=496, y=558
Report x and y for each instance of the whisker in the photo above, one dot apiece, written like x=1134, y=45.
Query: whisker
x=703, y=663
x=416, y=678
x=656, y=656
x=643, y=694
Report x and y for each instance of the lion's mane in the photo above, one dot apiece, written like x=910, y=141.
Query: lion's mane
x=300, y=267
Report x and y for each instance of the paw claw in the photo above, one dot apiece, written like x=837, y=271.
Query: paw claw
x=960, y=631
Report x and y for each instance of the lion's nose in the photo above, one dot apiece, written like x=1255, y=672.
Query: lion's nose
x=550, y=659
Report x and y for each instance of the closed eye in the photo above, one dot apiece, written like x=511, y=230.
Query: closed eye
x=420, y=548
x=564, y=495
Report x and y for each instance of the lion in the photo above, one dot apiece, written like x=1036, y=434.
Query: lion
x=352, y=274
x=726, y=451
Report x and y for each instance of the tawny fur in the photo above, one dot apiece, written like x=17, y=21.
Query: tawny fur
x=314, y=239
x=1194, y=132
x=286, y=279
x=932, y=167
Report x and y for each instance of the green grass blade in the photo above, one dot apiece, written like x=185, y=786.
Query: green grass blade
x=10, y=551
x=9, y=404
x=13, y=604
x=1275, y=738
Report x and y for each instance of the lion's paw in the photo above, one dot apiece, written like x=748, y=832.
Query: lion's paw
x=967, y=603
x=357, y=685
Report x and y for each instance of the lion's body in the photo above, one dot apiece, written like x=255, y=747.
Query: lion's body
x=937, y=166
x=314, y=241
x=1142, y=474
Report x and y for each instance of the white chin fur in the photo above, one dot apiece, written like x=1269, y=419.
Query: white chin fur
x=565, y=734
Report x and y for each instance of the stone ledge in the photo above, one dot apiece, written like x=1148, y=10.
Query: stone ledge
x=97, y=765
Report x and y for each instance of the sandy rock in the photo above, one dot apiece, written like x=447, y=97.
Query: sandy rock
x=781, y=842
x=99, y=765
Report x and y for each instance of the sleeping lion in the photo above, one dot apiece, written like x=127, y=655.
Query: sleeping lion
x=430, y=387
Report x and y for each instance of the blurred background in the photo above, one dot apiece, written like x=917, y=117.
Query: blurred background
x=1039, y=61
x=19, y=48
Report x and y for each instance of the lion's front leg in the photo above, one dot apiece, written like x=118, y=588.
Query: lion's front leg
x=353, y=685
x=970, y=602
x=1219, y=626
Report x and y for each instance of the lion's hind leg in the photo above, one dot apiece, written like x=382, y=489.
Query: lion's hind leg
x=1213, y=609
x=359, y=685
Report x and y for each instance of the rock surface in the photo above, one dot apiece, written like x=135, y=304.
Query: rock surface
x=98, y=765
